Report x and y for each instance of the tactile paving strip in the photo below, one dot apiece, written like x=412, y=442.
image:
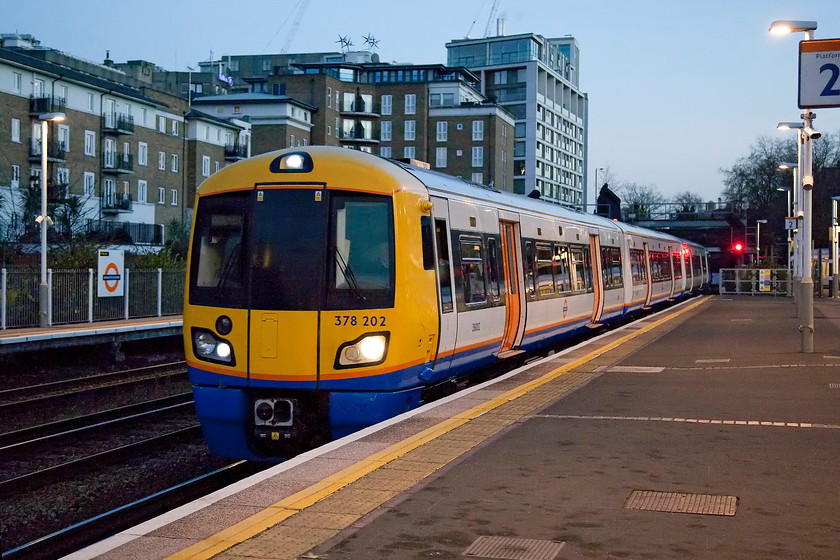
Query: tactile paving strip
x=677, y=502
x=512, y=548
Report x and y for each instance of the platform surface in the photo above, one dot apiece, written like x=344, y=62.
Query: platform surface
x=699, y=433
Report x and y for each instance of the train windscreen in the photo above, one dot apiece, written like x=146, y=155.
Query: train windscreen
x=293, y=249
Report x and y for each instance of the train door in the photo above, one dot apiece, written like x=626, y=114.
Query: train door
x=597, y=278
x=446, y=302
x=673, y=264
x=514, y=290
x=648, y=277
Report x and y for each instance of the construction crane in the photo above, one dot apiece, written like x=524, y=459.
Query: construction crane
x=300, y=9
x=490, y=19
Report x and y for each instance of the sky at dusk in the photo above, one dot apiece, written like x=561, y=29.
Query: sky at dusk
x=677, y=89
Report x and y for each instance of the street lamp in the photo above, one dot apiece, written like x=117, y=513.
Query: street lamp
x=806, y=179
x=758, y=240
x=794, y=167
x=43, y=219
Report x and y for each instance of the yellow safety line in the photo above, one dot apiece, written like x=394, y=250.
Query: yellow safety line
x=291, y=505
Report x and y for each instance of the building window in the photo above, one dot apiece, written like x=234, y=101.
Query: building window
x=329, y=97
x=410, y=103
x=337, y=127
x=175, y=163
x=15, y=176
x=17, y=82
x=442, y=131
x=410, y=128
x=478, y=156
x=206, y=132
x=162, y=161
x=141, y=190
x=90, y=143
x=440, y=157
x=90, y=183
x=478, y=178
x=144, y=115
x=387, y=104
x=142, y=153
x=90, y=102
x=408, y=152
x=110, y=192
x=175, y=127
x=385, y=131
x=291, y=140
x=174, y=197
x=478, y=131
x=15, y=130
x=162, y=124
x=161, y=195
x=217, y=167
x=62, y=176
x=205, y=166
x=385, y=151
x=64, y=137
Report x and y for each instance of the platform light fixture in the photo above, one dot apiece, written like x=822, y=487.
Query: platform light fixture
x=44, y=220
x=806, y=184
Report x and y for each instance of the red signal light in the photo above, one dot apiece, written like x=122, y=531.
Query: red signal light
x=738, y=247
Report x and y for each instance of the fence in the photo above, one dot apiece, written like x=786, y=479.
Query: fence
x=73, y=296
x=753, y=281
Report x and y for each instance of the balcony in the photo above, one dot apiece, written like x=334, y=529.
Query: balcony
x=39, y=104
x=359, y=107
x=117, y=123
x=235, y=152
x=55, y=151
x=126, y=232
x=113, y=203
x=117, y=162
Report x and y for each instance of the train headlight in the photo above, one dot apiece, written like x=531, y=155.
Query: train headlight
x=369, y=349
x=207, y=346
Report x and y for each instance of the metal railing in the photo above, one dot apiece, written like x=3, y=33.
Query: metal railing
x=73, y=296
x=755, y=282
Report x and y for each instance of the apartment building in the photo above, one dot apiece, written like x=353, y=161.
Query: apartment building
x=431, y=113
x=123, y=164
x=536, y=80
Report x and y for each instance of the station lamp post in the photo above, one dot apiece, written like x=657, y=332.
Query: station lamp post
x=43, y=219
x=806, y=179
x=758, y=240
x=789, y=212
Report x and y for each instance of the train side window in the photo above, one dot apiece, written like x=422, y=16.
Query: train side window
x=677, y=264
x=493, y=268
x=587, y=267
x=637, y=265
x=545, y=276
x=613, y=262
x=528, y=262
x=444, y=277
x=472, y=270
x=579, y=267
x=426, y=240
x=562, y=273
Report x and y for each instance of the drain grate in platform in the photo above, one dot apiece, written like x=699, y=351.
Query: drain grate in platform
x=512, y=548
x=677, y=502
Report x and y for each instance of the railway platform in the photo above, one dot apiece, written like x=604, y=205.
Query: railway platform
x=699, y=432
x=84, y=334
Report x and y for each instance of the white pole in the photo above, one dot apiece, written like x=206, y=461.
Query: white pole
x=43, y=289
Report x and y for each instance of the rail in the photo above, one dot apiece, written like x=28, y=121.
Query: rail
x=755, y=282
x=73, y=296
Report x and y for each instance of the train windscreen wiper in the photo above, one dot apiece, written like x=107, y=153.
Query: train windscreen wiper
x=347, y=272
x=229, y=265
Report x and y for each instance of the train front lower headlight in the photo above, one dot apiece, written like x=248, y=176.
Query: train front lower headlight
x=207, y=346
x=369, y=349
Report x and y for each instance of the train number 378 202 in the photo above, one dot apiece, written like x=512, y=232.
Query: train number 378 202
x=364, y=320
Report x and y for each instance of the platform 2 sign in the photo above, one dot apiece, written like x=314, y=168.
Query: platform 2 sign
x=819, y=73
x=110, y=274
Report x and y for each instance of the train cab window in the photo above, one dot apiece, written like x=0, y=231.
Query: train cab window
x=545, y=275
x=472, y=270
x=493, y=268
x=426, y=240
x=444, y=277
x=217, y=274
x=562, y=269
x=361, y=263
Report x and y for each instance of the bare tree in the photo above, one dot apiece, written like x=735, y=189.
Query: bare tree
x=687, y=201
x=640, y=202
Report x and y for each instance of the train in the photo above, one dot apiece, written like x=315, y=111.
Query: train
x=329, y=289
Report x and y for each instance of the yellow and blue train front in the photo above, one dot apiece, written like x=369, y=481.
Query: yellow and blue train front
x=294, y=332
